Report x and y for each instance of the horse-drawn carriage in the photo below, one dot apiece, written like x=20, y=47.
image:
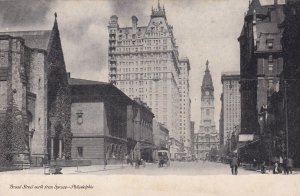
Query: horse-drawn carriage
x=163, y=158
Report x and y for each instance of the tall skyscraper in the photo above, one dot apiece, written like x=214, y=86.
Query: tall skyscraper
x=144, y=63
x=185, y=104
x=207, y=137
x=231, y=104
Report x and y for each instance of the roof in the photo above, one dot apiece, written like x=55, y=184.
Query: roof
x=77, y=81
x=267, y=27
x=262, y=46
x=128, y=30
x=185, y=60
x=259, y=9
x=33, y=39
x=230, y=73
x=207, y=82
x=104, y=89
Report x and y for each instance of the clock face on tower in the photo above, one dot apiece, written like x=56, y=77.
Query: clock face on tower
x=206, y=93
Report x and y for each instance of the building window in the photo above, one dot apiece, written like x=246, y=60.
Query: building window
x=79, y=115
x=270, y=43
x=270, y=58
x=207, y=112
x=270, y=67
x=80, y=151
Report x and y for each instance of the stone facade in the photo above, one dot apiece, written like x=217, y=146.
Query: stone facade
x=107, y=125
x=144, y=63
x=160, y=136
x=140, y=130
x=207, y=137
x=283, y=110
x=261, y=63
x=33, y=83
x=185, y=105
x=231, y=106
x=261, y=60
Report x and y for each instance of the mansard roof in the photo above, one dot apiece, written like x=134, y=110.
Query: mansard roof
x=259, y=9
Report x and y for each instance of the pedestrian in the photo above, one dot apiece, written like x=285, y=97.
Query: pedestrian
x=137, y=163
x=275, y=168
x=234, y=165
x=289, y=165
x=284, y=165
x=263, y=167
x=127, y=159
x=280, y=164
x=254, y=163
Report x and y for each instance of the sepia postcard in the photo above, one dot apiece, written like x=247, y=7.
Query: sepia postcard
x=149, y=97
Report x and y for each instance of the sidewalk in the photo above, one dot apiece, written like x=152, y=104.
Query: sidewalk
x=269, y=169
x=65, y=170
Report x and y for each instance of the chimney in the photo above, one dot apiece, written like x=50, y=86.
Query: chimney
x=134, y=24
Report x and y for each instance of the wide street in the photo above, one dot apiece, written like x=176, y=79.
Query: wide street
x=176, y=168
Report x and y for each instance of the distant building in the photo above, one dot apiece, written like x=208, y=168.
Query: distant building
x=231, y=106
x=193, y=136
x=185, y=104
x=160, y=136
x=144, y=63
x=221, y=123
x=207, y=137
x=107, y=125
x=140, y=130
x=34, y=97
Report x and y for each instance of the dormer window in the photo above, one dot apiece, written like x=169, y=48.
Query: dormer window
x=270, y=43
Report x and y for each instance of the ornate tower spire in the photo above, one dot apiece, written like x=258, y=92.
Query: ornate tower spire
x=207, y=63
x=158, y=12
x=207, y=83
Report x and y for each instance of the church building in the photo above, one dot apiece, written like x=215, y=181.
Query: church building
x=34, y=98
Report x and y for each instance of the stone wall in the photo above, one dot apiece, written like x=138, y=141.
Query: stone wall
x=38, y=86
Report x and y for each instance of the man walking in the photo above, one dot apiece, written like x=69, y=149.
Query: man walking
x=289, y=165
x=234, y=165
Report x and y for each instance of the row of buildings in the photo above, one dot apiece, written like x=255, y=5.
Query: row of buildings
x=259, y=117
x=46, y=115
x=144, y=62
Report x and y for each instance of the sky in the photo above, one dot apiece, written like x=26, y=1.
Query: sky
x=204, y=29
